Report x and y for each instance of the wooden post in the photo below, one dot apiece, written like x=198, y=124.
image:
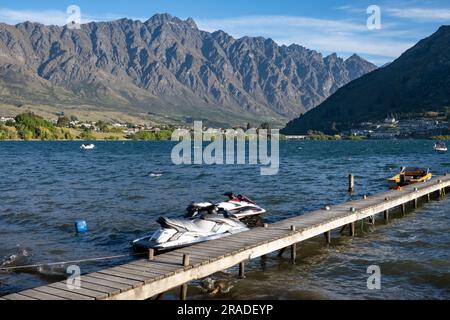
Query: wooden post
x=328, y=237
x=351, y=183
x=416, y=203
x=428, y=197
x=151, y=254
x=183, y=292
x=386, y=215
x=184, y=287
x=403, y=209
x=186, y=260
x=242, y=270
x=293, y=249
x=372, y=220
x=352, y=229
x=293, y=253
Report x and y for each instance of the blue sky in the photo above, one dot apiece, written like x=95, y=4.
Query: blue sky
x=323, y=25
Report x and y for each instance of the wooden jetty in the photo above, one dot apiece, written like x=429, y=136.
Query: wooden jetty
x=152, y=277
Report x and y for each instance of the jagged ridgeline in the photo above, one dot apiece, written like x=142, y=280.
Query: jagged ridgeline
x=168, y=68
x=416, y=83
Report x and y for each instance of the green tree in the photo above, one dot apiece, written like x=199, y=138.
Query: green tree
x=87, y=135
x=102, y=126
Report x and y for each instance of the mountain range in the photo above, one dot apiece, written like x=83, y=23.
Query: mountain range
x=416, y=83
x=166, y=68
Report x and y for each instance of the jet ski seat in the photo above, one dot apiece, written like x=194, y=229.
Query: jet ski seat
x=183, y=225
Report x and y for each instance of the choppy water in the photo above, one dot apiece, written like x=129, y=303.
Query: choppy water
x=122, y=188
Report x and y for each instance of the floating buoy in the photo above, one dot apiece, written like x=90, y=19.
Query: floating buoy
x=81, y=226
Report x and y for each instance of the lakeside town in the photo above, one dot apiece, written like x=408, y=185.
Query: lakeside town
x=29, y=126
x=391, y=128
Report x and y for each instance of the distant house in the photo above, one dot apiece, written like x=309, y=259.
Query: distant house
x=131, y=131
x=7, y=119
x=295, y=137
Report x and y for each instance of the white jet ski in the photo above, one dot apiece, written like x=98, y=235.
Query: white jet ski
x=179, y=233
x=202, y=222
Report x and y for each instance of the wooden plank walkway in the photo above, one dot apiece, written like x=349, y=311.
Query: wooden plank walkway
x=143, y=279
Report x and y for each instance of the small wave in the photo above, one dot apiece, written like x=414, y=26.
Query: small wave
x=15, y=259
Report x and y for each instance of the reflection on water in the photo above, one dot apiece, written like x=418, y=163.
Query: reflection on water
x=121, y=189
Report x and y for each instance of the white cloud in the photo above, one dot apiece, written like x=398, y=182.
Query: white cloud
x=424, y=14
x=50, y=17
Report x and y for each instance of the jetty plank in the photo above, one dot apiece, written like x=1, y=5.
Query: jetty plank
x=83, y=291
x=17, y=296
x=63, y=293
x=111, y=286
x=124, y=275
x=133, y=283
x=100, y=288
x=38, y=295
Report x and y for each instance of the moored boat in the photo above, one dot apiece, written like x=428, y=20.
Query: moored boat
x=440, y=147
x=87, y=146
x=410, y=175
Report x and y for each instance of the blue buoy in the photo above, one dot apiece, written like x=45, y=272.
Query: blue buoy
x=81, y=226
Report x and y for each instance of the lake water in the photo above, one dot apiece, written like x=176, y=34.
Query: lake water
x=121, y=188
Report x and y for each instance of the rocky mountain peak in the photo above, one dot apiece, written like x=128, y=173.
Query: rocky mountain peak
x=167, y=62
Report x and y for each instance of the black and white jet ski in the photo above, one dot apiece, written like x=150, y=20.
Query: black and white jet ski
x=202, y=222
x=237, y=206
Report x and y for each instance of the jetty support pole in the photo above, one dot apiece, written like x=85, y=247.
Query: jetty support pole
x=386, y=215
x=351, y=183
x=184, y=287
x=352, y=229
x=416, y=203
x=151, y=254
x=428, y=197
x=403, y=209
x=328, y=237
x=293, y=249
x=242, y=270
